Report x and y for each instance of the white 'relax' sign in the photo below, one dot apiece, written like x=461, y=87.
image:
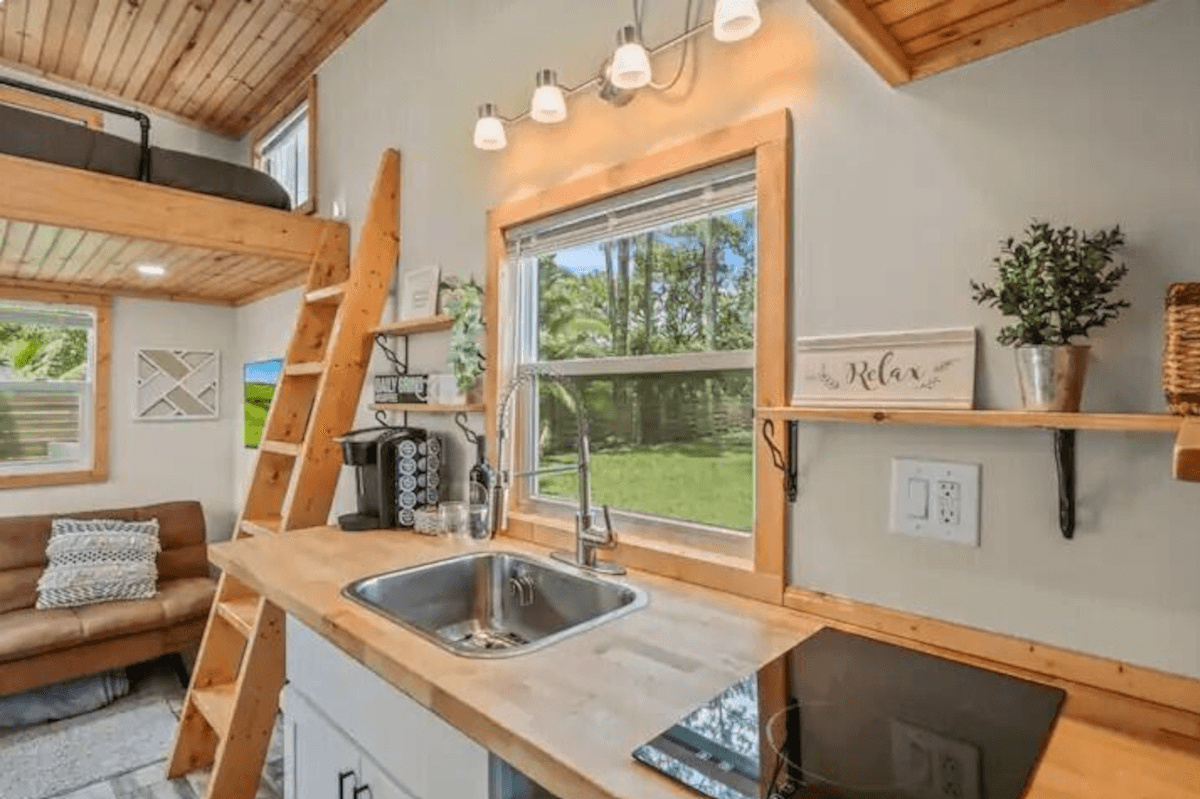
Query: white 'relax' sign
x=921, y=369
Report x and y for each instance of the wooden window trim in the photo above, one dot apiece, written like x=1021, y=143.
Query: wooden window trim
x=768, y=138
x=98, y=473
x=306, y=91
x=89, y=117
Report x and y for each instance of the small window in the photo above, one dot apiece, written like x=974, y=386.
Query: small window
x=641, y=310
x=285, y=148
x=47, y=388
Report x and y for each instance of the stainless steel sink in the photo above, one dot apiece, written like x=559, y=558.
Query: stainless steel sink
x=495, y=604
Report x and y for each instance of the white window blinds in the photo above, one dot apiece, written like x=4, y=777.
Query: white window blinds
x=684, y=199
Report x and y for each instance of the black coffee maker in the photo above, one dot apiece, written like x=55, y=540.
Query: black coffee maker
x=398, y=469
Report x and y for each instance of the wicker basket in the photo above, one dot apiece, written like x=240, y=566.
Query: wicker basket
x=1181, y=354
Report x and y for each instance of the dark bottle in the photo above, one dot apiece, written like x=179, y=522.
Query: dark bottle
x=480, y=480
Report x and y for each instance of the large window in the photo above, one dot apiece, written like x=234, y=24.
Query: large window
x=49, y=398
x=639, y=312
x=654, y=295
x=285, y=148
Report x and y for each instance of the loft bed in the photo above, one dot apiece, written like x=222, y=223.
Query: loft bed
x=30, y=134
x=81, y=209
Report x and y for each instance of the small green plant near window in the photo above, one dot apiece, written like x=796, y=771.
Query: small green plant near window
x=464, y=303
x=1056, y=283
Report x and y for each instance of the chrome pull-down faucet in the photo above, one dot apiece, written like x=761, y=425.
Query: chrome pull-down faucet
x=588, y=537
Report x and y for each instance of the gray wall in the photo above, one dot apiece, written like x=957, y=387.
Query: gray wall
x=900, y=196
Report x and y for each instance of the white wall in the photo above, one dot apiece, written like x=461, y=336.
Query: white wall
x=157, y=461
x=264, y=329
x=164, y=131
x=901, y=195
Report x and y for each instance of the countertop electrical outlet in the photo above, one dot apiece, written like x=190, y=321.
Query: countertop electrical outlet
x=935, y=500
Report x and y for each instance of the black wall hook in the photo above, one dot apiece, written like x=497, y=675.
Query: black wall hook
x=786, y=464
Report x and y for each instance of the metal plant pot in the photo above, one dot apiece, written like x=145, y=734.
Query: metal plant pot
x=1052, y=377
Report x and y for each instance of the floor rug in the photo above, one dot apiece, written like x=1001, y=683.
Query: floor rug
x=64, y=700
x=45, y=761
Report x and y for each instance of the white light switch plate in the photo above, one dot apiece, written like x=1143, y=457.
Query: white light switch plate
x=935, y=500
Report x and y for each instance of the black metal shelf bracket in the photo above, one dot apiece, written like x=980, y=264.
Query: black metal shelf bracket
x=1064, y=459
x=785, y=463
x=400, y=365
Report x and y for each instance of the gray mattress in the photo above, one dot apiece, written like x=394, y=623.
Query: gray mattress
x=31, y=135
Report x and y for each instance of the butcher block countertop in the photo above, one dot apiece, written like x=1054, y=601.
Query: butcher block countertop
x=569, y=715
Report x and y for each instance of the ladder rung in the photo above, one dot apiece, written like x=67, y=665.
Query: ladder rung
x=328, y=294
x=281, y=447
x=215, y=703
x=261, y=526
x=241, y=613
x=306, y=368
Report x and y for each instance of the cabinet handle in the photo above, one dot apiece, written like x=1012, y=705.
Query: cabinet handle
x=367, y=789
x=342, y=775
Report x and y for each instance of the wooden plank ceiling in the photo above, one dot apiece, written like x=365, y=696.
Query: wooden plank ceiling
x=221, y=64
x=910, y=39
x=48, y=257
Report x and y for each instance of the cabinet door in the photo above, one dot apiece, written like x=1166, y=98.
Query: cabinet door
x=380, y=784
x=322, y=762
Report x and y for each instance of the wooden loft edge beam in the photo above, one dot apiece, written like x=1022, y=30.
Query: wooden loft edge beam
x=859, y=26
x=74, y=198
x=62, y=292
x=1187, y=451
x=1038, y=24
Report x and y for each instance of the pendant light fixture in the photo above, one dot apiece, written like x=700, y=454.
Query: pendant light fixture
x=549, y=104
x=489, y=129
x=734, y=20
x=624, y=74
x=630, y=63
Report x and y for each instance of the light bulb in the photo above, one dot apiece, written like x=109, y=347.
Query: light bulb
x=489, y=129
x=151, y=270
x=631, y=62
x=549, y=103
x=734, y=20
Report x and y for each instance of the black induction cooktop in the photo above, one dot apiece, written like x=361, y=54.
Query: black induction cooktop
x=846, y=717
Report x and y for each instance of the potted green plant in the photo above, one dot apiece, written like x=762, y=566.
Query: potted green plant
x=1057, y=284
x=463, y=302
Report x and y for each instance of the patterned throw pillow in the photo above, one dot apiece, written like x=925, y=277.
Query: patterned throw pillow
x=99, y=560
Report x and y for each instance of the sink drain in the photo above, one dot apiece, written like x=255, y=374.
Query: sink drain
x=475, y=637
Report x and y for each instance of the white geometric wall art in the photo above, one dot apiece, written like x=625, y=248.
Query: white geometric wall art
x=177, y=385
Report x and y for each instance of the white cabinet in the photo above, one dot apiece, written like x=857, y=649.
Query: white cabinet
x=323, y=763
x=341, y=716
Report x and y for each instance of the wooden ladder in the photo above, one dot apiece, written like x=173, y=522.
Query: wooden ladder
x=233, y=698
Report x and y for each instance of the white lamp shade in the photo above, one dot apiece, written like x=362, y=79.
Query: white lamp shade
x=549, y=105
x=489, y=134
x=734, y=20
x=631, y=66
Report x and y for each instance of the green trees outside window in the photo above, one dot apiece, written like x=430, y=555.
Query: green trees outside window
x=671, y=437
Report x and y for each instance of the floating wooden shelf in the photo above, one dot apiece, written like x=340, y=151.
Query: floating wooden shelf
x=1115, y=422
x=1064, y=426
x=1187, y=451
x=409, y=327
x=419, y=407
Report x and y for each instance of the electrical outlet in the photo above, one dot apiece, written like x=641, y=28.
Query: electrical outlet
x=927, y=765
x=935, y=500
x=949, y=502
